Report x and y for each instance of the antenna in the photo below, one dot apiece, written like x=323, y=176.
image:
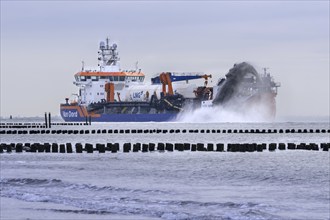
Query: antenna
x=265, y=70
x=82, y=65
x=107, y=43
x=136, y=66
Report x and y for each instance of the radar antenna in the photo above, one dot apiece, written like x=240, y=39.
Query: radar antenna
x=108, y=55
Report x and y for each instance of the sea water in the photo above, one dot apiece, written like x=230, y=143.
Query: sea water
x=290, y=184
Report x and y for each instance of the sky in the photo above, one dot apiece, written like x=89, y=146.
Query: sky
x=44, y=42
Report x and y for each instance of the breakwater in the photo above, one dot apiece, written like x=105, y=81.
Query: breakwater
x=160, y=147
x=81, y=137
x=32, y=130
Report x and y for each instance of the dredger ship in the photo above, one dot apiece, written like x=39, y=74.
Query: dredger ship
x=106, y=93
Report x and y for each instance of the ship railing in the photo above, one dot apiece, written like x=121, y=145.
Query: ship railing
x=187, y=73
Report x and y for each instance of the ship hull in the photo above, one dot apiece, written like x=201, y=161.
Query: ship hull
x=77, y=113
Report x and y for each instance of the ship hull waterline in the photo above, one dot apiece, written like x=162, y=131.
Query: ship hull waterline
x=75, y=114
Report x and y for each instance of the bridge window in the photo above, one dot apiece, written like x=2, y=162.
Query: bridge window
x=121, y=78
x=95, y=78
x=83, y=78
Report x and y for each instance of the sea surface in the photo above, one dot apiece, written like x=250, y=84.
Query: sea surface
x=289, y=184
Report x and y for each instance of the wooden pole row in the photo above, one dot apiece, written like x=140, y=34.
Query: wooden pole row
x=161, y=147
x=161, y=131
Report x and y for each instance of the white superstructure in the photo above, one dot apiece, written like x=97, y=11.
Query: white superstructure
x=92, y=80
x=125, y=85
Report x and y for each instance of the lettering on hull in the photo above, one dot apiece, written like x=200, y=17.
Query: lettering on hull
x=70, y=114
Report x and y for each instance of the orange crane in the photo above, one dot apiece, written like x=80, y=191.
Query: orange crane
x=165, y=79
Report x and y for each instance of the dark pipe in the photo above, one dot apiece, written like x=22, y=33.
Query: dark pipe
x=272, y=147
x=252, y=147
x=169, y=147
x=49, y=120
x=116, y=145
x=152, y=147
x=8, y=147
x=200, y=147
x=46, y=119
x=186, y=146
x=291, y=146
x=259, y=148
x=79, y=148
x=326, y=146
x=127, y=147
x=136, y=147
x=68, y=147
x=242, y=147
x=314, y=147
x=100, y=148
x=89, y=148
x=220, y=147
x=19, y=148
x=34, y=147
x=161, y=147
x=281, y=146
x=210, y=147
x=62, y=148
x=179, y=147
x=41, y=148
x=145, y=147
x=54, y=148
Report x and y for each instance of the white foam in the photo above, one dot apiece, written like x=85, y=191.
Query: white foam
x=217, y=114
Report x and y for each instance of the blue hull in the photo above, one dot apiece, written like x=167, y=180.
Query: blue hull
x=72, y=115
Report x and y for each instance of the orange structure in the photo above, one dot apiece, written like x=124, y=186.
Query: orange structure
x=165, y=79
x=110, y=90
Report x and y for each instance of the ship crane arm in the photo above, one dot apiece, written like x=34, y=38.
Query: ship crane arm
x=182, y=77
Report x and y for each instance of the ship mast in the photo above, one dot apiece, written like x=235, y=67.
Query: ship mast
x=265, y=70
x=108, y=55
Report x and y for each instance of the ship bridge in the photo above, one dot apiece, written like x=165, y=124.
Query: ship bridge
x=121, y=76
x=92, y=81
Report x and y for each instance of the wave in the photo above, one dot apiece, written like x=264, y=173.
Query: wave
x=29, y=181
x=92, y=199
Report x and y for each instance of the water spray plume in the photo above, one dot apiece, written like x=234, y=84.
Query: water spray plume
x=243, y=96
